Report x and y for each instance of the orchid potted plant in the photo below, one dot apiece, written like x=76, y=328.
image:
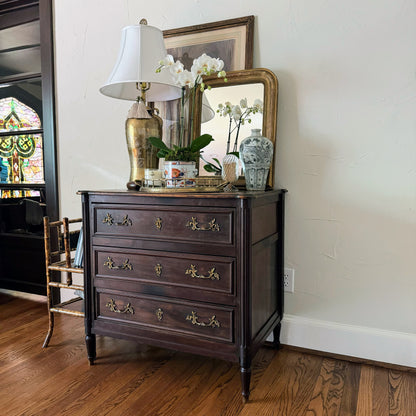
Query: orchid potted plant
x=238, y=115
x=189, y=81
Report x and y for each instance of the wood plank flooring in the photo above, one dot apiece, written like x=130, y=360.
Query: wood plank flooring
x=130, y=379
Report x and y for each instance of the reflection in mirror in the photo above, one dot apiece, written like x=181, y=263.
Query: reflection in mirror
x=226, y=128
x=252, y=84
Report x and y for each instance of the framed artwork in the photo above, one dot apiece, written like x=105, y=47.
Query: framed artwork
x=230, y=40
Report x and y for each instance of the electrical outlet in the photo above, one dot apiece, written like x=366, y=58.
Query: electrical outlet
x=289, y=280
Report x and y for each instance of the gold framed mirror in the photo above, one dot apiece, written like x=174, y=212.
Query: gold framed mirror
x=259, y=83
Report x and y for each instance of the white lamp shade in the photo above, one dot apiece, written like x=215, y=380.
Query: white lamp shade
x=207, y=113
x=141, y=49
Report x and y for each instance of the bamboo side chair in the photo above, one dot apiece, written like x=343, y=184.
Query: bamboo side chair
x=60, y=242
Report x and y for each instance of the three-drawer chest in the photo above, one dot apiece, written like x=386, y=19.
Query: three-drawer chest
x=194, y=272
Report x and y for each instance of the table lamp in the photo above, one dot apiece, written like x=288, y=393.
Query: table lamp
x=134, y=78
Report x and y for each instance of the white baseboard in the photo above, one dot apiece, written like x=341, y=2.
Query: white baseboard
x=355, y=341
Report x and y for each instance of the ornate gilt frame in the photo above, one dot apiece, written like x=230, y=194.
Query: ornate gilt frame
x=271, y=91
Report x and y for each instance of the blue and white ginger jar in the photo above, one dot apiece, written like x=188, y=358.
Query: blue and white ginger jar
x=256, y=154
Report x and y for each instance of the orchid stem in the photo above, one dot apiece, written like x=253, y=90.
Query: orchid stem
x=192, y=104
x=236, y=136
x=182, y=115
x=229, y=137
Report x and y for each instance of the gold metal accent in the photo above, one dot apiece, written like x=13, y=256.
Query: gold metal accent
x=109, y=220
x=159, y=314
x=195, y=189
x=111, y=265
x=203, y=184
x=142, y=154
x=212, y=274
x=193, y=317
x=142, y=87
x=158, y=223
x=126, y=221
x=113, y=307
x=194, y=225
x=158, y=269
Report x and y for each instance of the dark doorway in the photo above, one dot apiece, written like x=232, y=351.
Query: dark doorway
x=28, y=177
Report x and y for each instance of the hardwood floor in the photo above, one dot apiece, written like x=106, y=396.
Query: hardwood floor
x=129, y=379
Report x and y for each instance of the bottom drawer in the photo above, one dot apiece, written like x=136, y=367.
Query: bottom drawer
x=212, y=322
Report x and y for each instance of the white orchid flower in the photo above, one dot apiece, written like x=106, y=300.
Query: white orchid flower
x=185, y=78
x=197, y=70
x=167, y=61
x=258, y=105
x=206, y=65
x=243, y=103
x=201, y=63
x=236, y=112
x=176, y=68
x=215, y=65
x=224, y=109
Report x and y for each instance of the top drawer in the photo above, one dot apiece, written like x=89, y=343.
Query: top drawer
x=185, y=224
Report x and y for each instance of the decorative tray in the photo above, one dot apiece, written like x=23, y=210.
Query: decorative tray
x=197, y=184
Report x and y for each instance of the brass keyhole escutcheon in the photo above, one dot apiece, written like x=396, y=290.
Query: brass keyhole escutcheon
x=158, y=223
x=158, y=270
x=159, y=314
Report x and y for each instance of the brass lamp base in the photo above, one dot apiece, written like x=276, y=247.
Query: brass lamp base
x=141, y=153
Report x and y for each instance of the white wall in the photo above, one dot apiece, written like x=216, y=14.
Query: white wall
x=346, y=140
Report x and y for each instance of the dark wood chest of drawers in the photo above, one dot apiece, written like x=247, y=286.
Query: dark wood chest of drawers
x=200, y=273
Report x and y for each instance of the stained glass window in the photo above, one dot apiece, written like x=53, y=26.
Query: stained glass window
x=14, y=115
x=21, y=155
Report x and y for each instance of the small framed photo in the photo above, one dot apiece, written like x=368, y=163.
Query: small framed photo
x=230, y=40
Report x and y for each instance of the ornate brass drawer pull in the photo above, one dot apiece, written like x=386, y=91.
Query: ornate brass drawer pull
x=113, y=307
x=212, y=274
x=158, y=270
x=193, y=317
x=125, y=266
x=109, y=220
x=159, y=314
x=158, y=223
x=194, y=225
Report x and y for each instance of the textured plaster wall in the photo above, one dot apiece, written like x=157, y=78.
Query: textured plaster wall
x=346, y=136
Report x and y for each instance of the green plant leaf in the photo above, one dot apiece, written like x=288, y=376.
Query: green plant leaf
x=210, y=168
x=162, y=153
x=218, y=162
x=234, y=153
x=200, y=142
x=158, y=143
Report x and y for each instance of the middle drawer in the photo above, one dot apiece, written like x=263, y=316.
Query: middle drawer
x=210, y=273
